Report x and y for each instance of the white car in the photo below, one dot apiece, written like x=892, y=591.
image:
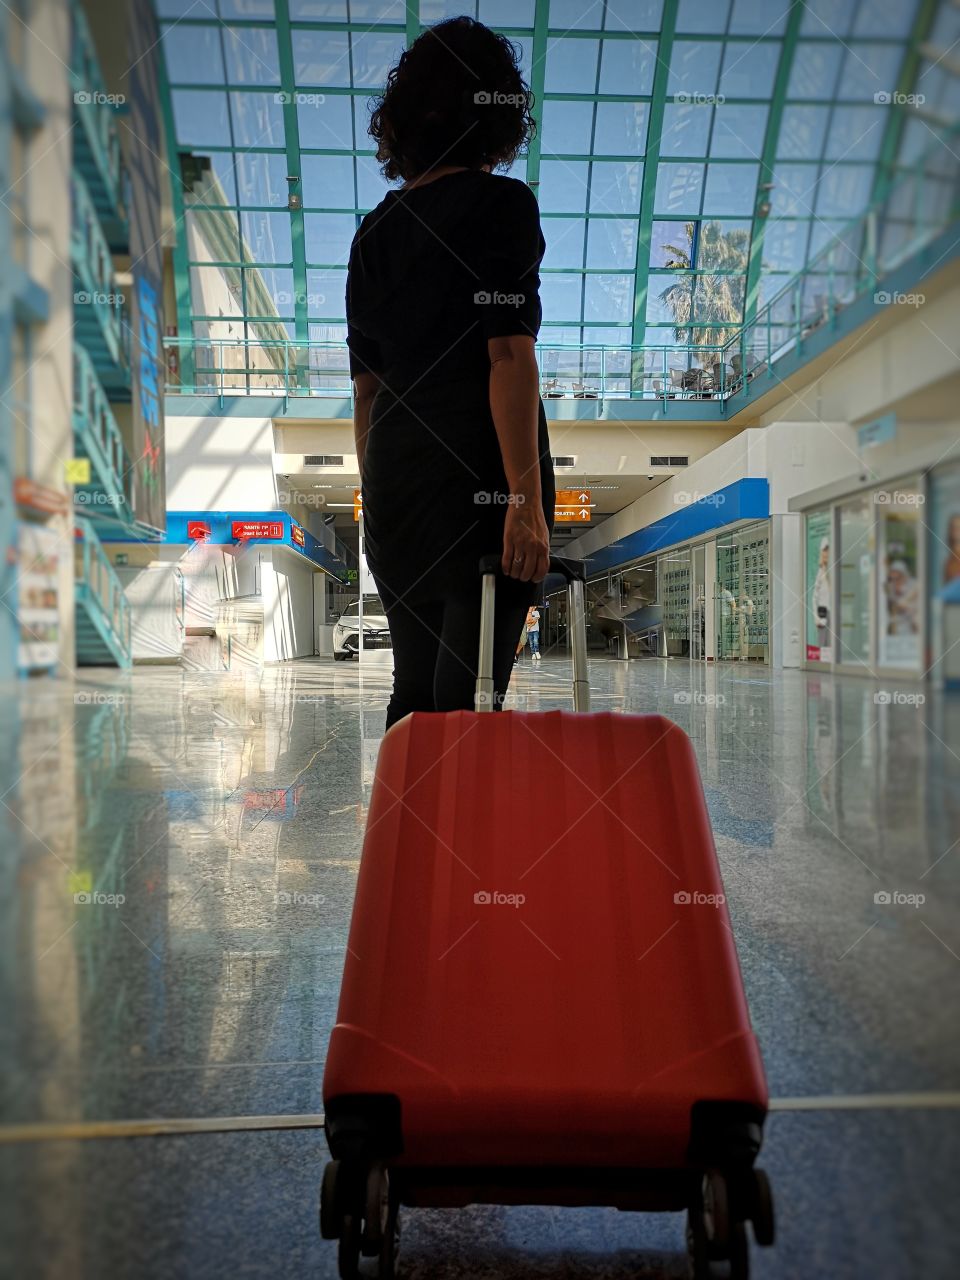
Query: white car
x=346, y=631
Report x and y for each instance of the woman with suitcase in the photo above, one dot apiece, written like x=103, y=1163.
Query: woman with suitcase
x=443, y=312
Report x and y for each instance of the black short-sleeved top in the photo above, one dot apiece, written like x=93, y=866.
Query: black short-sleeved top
x=438, y=269
x=435, y=272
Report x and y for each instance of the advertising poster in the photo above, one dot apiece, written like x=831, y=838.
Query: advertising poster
x=819, y=585
x=38, y=607
x=901, y=605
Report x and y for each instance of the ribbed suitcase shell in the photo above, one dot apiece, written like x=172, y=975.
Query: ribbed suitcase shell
x=580, y=1025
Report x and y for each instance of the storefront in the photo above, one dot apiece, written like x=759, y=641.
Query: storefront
x=865, y=583
x=707, y=599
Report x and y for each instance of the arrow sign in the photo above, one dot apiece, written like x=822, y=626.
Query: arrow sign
x=572, y=505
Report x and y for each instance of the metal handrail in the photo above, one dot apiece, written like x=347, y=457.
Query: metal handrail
x=94, y=416
x=850, y=265
x=100, y=124
x=97, y=582
x=95, y=265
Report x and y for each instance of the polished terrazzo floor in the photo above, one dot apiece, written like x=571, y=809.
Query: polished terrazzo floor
x=227, y=812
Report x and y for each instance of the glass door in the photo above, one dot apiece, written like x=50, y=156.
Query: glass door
x=856, y=582
x=674, y=569
x=742, y=610
x=698, y=609
x=755, y=594
x=727, y=607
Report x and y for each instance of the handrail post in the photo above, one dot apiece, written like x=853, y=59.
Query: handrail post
x=871, y=245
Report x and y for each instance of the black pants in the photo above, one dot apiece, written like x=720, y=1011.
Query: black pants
x=436, y=645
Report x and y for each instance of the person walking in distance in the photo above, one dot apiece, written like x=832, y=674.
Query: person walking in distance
x=533, y=632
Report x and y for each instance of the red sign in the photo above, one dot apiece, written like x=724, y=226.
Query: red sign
x=38, y=497
x=296, y=534
x=243, y=529
x=198, y=530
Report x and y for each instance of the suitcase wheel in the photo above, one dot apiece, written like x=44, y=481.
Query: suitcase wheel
x=358, y=1208
x=717, y=1218
x=348, y=1251
x=330, y=1214
x=761, y=1209
x=376, y=1210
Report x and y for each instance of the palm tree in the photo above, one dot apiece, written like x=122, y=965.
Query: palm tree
x=718, y=292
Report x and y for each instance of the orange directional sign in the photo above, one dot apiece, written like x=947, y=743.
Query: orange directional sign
x=357, y=504
x=573, y=506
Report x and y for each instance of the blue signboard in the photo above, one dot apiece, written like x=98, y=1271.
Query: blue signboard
x=880, y=431
x=747, y=499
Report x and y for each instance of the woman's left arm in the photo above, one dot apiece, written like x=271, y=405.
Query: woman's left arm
x=365, y=387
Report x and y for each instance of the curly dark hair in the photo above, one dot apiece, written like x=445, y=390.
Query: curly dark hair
x=455, y=97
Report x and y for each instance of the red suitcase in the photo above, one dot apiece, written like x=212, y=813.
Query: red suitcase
x=541, y=1000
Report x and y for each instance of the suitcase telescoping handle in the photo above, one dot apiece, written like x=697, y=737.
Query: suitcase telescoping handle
x=574, y=572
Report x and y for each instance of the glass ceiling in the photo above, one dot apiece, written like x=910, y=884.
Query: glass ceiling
x=692, y=154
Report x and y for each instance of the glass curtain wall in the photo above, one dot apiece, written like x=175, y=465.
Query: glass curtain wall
x=691, y=155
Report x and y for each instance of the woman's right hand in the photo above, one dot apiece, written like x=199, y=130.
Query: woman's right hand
x=526, y=541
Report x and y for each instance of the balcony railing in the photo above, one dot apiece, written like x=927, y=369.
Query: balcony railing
x=918, y=208
x=98, y=152
x=228, y=367
x=99, y=306
x=98, y=590
x=110, y=492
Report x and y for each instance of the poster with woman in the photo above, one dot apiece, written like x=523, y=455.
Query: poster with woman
x=901, y=604
x=819, y=603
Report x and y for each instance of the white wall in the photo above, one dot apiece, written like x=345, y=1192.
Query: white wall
x=287, y=589
x=601, y=447
x=220, y=464
x=792, y=456
x=43, y=187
